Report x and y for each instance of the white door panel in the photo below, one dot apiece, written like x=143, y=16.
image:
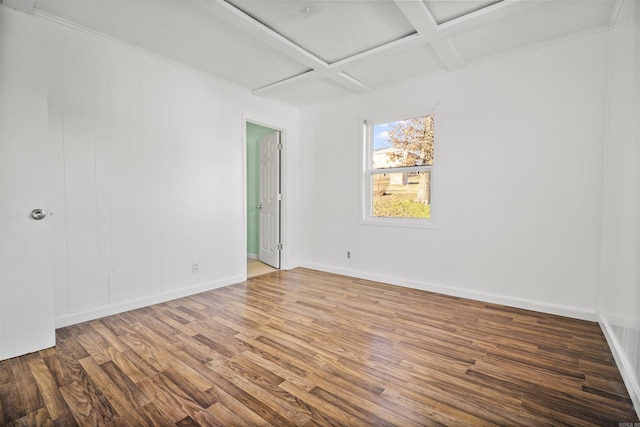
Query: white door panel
x=26, y=287
x=269, y=208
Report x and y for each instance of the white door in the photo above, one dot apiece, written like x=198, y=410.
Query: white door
x=26, y=286
x=270, y=197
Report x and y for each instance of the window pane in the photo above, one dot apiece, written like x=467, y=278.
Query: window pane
x=403, y=143
x=401, y=195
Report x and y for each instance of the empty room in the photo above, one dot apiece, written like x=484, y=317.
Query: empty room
x=320, y=212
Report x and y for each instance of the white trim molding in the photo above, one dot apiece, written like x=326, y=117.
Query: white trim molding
x=624, y=364
x=96, y=313
x=525, y=304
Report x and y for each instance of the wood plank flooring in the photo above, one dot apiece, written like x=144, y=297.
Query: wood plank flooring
x=304, y=348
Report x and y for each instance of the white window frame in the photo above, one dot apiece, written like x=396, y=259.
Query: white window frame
x=366, y=196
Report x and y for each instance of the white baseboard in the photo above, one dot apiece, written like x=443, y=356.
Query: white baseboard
x=84, y=316
x=252, y=256
x=543, y=307
x=624, y=365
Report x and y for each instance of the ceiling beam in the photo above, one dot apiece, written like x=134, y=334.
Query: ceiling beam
x=447, y=53
x=300, y=78
x=335, y=71
x=238, y=18
x=429, y=33
x=419, y=16
x=405, y=43
x=615, y=12
x=23, y=5
x=341, y=78
x=487, y=15
x=349, y=82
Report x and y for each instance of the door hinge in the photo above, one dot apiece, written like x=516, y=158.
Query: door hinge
x=279, y=146
x=279, y=246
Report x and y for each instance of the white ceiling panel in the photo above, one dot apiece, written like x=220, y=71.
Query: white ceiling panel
x=554, y=20
x=448, y=10
x=331, y=30
x=310, y=92
x=184, y=32
x=401, y=65
x=307, y=51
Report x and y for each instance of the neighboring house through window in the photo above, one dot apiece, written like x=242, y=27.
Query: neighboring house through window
x=398, y=171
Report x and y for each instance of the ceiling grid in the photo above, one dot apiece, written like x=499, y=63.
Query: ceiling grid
x=307, y=51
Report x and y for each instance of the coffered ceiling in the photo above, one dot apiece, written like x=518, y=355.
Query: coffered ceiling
x=302, y=52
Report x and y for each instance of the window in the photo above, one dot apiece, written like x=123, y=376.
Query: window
x=398, y=166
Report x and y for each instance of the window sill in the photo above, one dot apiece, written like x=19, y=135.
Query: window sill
x=399, y=222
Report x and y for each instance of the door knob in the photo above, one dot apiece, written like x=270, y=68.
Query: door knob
x=39, y=214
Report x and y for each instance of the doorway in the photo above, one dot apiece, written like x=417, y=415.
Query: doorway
x=263, y=198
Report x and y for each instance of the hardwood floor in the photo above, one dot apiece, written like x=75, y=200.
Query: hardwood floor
x=304, y=348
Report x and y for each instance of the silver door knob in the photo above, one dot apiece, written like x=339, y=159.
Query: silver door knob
x=39, y=214
x=259, y=206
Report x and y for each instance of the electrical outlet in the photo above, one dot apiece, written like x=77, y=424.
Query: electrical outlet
x=348, y=254
x=195, y=267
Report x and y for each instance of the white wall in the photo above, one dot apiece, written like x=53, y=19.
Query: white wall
x=619, y=293
x=148, y=175
x=518, y=192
